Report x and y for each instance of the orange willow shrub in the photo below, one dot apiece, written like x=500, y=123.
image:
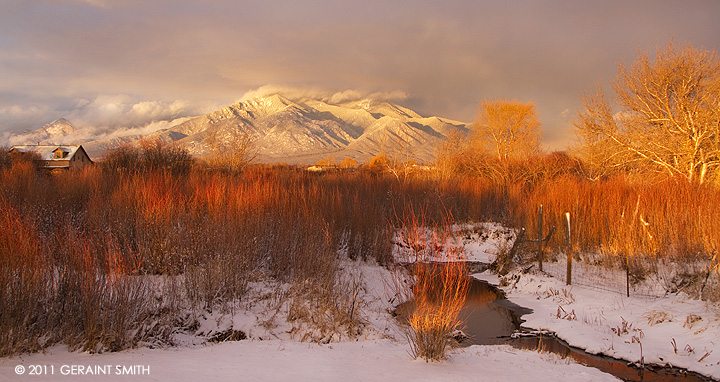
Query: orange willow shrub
x=440, y=288
x=76, y=246
x=23, y=279
x=668, y=219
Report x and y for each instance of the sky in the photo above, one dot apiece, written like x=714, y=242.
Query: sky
x=125, y=63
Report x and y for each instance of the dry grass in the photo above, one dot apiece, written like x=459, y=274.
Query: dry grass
x=81, y=252
x=440, y=285
x=621, y=223
x=439, y=295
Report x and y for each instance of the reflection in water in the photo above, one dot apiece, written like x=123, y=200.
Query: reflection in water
x=609, y=365
x=490, y=319
x=484, y=320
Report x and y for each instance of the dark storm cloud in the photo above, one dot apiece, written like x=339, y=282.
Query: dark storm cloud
x=92, y=61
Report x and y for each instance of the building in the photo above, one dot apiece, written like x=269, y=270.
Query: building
x=57, y=157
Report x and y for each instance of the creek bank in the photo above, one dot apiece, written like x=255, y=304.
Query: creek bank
x=481, y=306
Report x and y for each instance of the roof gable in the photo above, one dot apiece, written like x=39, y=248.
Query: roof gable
x=47, y=152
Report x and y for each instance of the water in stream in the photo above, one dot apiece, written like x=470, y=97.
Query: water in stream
x=490, y=319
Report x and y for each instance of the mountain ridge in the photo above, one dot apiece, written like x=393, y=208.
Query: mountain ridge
x=291, y=130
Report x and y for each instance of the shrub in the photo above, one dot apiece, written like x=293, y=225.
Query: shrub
x=152, y=156
x=439, y=295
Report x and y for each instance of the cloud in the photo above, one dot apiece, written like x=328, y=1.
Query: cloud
x=154, y=110
x=5, y=138
x=104, y=116
x=21, y=111
x=396, y=95
x=94, y=3
x=290, y=92
x=325, y=95
x=15, y=117
x=140, y=130
x=566, y=114
x=356, y=95
x=345, y=96
x=91, y=133
x=58, y=57
x=125, y=111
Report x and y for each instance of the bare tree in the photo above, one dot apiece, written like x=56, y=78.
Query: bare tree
x=230, y=152
x=669, y=118
x=397, y=153
x=452, y=155
x=507, y=129
x=600, y=155
x=504, y=132
x=159, y=155
x=328, y=161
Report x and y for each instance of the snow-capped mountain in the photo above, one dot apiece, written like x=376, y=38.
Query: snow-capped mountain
x=59, y=131
x=309, y=130
x=305, y=131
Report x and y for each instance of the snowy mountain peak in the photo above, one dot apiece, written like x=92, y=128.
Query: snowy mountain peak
x=268, y=105
x=288, y=130
x=54, y=133
x=59, y=127
x=364, y=104
x=306, y=130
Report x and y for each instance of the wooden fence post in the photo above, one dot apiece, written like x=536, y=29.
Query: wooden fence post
x=516, y=244
x=540, y=239
x=568, y=278
x=627, y=272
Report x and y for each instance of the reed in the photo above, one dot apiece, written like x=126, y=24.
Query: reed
x=78, y=249
x=440, y=286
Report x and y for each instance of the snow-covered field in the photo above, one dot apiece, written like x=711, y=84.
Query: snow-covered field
x=673, y=330
x=601, y=322
x=278, y=360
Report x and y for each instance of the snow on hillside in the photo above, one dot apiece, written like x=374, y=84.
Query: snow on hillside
x=60, y=131
x=283, y=130
x=287, y=130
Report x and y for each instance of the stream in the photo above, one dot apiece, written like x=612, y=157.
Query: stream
x=491, y=319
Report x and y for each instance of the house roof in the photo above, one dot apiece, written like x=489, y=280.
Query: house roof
x=47, y=152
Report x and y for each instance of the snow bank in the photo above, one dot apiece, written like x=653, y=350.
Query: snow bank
x=673, y=330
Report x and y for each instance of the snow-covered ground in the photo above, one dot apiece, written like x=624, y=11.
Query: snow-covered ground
x=602, y=322
x=673, y=330
x=278, y=360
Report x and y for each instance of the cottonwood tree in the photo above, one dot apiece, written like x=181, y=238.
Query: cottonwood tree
x=348, y=163
x=328, y=161
x=230, y=152
x=506, y=131
x=452, y=157
x=397, y=153
x=669, y=117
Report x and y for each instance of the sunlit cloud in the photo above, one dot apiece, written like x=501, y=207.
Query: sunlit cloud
x=105, y=116
x=123, y=110
x=129, y=63
x=289, y=92
x=93, y=133
x=345, y=96
x=300, y=94
x=94, y=3
x=21, y=111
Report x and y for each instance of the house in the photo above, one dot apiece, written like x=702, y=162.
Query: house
x=57, y=157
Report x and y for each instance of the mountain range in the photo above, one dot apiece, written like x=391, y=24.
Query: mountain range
x=284, y=130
